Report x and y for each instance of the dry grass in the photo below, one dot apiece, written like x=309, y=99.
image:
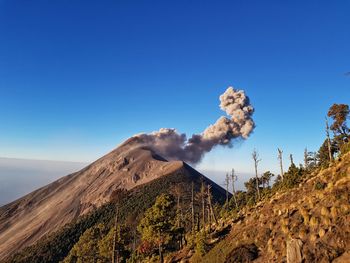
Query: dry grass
x=320, y=218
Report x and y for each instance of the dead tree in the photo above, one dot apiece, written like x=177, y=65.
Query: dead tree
x=208, y=214
x=227, y=183
x=306, y=159
x=192, y=208
x=212, y=213
x=233, y=180
x=329, y=142
x=178, y=192
x=281, y=161
x=202, y=195
x=256, y=159
x=209, y=217
x=197, y=222
x=291, y=159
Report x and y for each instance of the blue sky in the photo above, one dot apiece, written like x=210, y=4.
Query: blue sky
x=79, y=77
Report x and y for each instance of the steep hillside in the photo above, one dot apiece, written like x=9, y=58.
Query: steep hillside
x=55, y=247
x=310, y=222
x=47, y=209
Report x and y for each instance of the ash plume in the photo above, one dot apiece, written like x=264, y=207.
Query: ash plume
x=173, y=145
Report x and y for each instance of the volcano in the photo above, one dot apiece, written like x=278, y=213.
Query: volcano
x=46, y=210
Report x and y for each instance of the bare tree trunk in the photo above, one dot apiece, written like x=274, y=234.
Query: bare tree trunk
x=256, y=159
x=306, y=163
x=203, y=202
x=227, y=182
x=208, y=213
x=177, y=191
x=233, y=180
x=197, y=222
x=329, y=143
x=192, y=207
x=291, y=159
x=210, y=205
x=281, y=161
x=257, y=180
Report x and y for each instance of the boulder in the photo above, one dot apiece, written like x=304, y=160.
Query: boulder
x=294, y=247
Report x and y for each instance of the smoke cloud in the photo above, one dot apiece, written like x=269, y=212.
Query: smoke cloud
x=172, y=145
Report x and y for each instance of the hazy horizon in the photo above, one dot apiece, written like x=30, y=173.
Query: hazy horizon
x=19, y=177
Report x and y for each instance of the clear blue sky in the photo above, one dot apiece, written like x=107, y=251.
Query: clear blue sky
x=79, y=77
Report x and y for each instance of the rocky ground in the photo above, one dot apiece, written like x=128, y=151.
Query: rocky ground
x=309, y=223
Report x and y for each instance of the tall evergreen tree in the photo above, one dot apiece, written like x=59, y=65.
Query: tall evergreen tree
x=159, y=223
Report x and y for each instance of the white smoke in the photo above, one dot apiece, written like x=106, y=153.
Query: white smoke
x=173, y=145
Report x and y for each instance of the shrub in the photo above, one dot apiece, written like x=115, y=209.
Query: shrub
x=345, y=148
x=320, y=185
x=201, y=245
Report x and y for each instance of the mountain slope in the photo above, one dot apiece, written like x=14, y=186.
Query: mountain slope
x=47, y=209
x=309, y=223
x=55, y=246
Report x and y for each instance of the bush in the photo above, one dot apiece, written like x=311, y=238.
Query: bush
x=201, y=245
x=320, y=185
x=345, y=148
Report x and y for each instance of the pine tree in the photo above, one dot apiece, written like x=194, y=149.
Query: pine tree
x=158, y=225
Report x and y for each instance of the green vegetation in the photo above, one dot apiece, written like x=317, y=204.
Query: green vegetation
x=201, y=246
x=320, y=185
x=290, y=179
x=85, y=250
x=56, y=247
x=157, y=226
